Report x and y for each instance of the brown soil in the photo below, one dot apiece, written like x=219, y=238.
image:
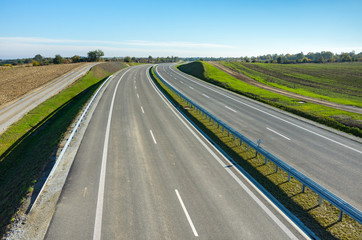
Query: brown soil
x=251, y=81
x=15, y=82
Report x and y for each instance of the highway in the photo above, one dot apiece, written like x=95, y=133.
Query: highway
x=143, y=172
x=328, y=157
x=12, y=112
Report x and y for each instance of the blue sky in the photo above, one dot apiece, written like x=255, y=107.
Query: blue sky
x=227, y=28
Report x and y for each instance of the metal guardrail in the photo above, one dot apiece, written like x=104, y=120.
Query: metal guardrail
x=75, y=129
x=323, y=193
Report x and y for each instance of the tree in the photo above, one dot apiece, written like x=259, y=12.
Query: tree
x=345, y=57
x=35, y=63
x=58, y=59
x=150, y=59
x=76, y=58
x=321, y=59
x=95, y=56
x=39, y=58
x=279, y=59
x=127, y=59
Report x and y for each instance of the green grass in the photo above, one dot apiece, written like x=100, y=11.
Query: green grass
x=322, y=220
x=339, y=119
x=335, y=82
x=29, y=144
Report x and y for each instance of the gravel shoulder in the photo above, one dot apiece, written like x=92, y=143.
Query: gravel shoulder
x=253, y=82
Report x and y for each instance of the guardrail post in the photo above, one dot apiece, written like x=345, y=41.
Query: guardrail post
x=288, y=177
x=320, y=200
x=241, y=142
x=340, y=215
x=266, y=161
x=276, y=168
x=303, y=188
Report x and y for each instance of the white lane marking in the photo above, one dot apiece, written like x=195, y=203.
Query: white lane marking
x=205, y=95
x=138, y=96
x=135, y=87
x=186, y=213
x=181, y=82
x=279, y=118
x=99, y=210
x=278, y=133
x=230, y=109
x=250, y=193
x=153, y=137
x=191, y=87
x=142, y=110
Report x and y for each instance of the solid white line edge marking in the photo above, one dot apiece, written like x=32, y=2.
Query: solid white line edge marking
x=186, y=213
x=250, y=193
x=99, y=210
x=278, y=133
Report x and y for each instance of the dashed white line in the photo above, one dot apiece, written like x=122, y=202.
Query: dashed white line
x=153, y=137
x=191, y=87
x=135, y=87
x=181, y=82
x=278, y=133
x=142, y=110
x=186, y=213
x=138, y=96
x=205, y=95
x=230, y=109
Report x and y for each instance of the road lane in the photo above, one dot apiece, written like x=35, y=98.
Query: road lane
x=140, y=200
x=322, y=155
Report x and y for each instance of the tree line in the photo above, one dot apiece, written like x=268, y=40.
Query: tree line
x=39, y=60
x=318, y=57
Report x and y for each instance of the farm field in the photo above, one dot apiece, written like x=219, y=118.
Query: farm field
x=18, y=81
x=334, y=82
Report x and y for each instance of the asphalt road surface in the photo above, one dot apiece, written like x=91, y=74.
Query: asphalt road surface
x=17, y=109
x=328, y=157
x=142, y=172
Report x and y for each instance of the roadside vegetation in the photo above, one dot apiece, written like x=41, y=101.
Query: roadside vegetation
x=321, y=219
x=335, y=82
x=339, y=119
x=30, y=144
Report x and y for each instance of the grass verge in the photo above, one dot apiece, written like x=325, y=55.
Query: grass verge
x=335, y=118
x=321, y=219
x=29, y=145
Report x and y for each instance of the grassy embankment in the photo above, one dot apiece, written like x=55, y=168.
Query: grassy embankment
x=29, y=144
x=322, y=220
x=335, y=82
x=339, y=119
